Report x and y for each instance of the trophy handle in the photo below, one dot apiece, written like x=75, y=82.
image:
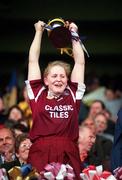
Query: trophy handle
x=67, y=51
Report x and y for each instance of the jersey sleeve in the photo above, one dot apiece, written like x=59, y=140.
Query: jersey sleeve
x=33, y=88
x=77, y=89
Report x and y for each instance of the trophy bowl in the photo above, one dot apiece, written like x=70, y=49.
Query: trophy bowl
x=59, y=33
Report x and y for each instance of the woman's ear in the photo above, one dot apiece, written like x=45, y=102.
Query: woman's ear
x=46, y=81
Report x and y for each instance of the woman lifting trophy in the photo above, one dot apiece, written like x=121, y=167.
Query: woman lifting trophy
x=55, y=99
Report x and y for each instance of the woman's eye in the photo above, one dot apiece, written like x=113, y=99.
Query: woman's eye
x=54, y=75
x=62, y=76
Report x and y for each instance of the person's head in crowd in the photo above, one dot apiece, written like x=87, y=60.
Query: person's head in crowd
x=97, y=106
x=101, y=123
x=88, y=122
x=85, y=141
x=15, y=113
x=7, y=143
x=22, y=146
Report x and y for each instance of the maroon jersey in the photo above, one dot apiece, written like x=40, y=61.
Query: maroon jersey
x=54, y=117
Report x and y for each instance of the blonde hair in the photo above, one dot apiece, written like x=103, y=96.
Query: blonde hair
x=66, y=67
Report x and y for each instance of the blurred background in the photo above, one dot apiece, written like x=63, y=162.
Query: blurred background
x=100, y=27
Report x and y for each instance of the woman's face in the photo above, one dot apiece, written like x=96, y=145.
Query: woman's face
x=101, y=123
x=23, y=150
x=15, y=114
x=95, y=108
x=56, y=80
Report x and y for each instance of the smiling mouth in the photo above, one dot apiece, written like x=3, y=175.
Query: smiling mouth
x=58, y=84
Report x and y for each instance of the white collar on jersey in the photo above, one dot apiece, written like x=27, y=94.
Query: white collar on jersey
x=51, y=95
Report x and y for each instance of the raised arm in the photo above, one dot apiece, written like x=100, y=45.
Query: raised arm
x=34, y=71
x=77, y=74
